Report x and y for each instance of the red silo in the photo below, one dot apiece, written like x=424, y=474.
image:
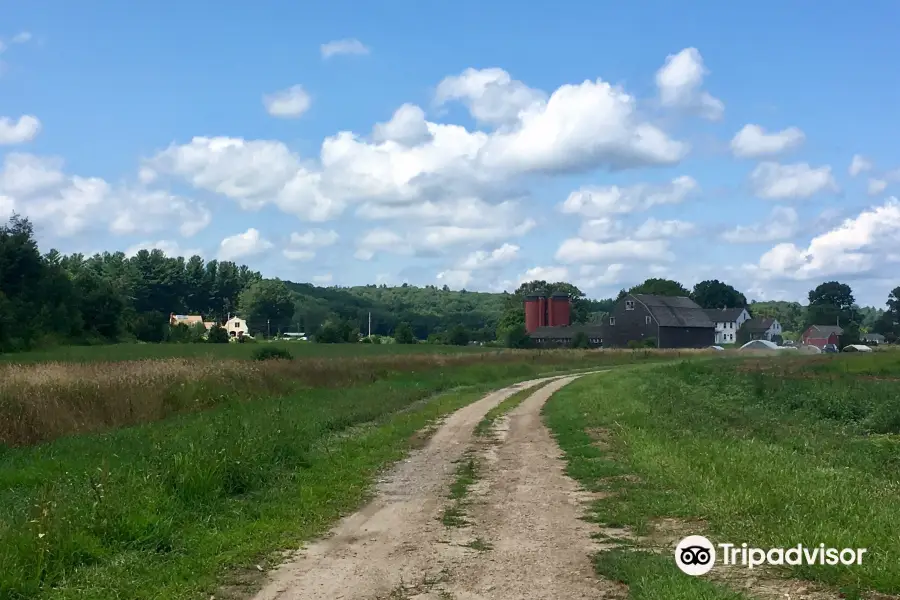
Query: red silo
x=532, y=313
x=560, y=310
x=542, y=310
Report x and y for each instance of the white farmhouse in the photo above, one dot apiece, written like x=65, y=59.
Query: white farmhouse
x=727, y=322
x=236, y=327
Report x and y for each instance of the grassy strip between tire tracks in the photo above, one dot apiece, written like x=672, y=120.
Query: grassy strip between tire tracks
x=173, y=509
x=757, y=453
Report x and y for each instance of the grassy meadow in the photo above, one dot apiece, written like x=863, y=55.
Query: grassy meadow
x=174, y=478
x=142, y=351
x=771, y=452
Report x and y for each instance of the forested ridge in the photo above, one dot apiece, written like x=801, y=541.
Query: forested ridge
x=49, y=299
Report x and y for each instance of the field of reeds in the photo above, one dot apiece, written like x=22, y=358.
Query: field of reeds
x=163, y=479
x=772, y=452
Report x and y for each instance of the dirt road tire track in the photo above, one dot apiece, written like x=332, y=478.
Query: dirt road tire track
x=393, y=542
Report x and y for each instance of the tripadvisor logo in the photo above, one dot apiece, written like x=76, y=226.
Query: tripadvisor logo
x=696, y=555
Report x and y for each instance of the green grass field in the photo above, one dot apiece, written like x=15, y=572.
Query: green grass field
x=179, y=505
x=118, y=352
x=770, y=452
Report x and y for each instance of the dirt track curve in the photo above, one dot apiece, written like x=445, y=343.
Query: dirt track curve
x=525, y=538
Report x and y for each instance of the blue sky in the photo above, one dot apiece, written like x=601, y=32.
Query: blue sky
x=595, y=143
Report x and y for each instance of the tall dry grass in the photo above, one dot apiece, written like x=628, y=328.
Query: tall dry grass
x=44, y=401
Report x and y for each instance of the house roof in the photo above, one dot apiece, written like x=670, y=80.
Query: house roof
x=826, y=330
x=675, y=311
x=874, y=336
x=187, y=319
x=758, y=324
x=724, y=315
x=567, y=332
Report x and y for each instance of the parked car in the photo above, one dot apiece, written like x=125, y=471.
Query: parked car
x=830, y=348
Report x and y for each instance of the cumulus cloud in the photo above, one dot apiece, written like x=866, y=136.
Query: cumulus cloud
x=407, y=127
x=577, y=250
x=773, y=181
x=289, y=103
x=482, y=259
x=350, y=46
x=491, y=95
x=455, y=278
x=859, y=164
x=601, y=201
x=852, y=248
x=680, y=82
x=782, y=223
x=548, y=274
x=243, y=245
x=653, y=229
x=592, y=276
x=323, y=279
x=303, y=246
x=601, y=229
x=24, y=129
x=69, y=204
x=752, y=141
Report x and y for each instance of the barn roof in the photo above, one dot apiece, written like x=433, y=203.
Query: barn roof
x=827, y=330
x=758, y=324
x=675, y=311
x=724, y=315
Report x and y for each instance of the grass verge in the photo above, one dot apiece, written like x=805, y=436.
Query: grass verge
x=484, y=427
x=767, y=453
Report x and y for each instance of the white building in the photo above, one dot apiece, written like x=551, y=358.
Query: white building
x=727, y=321
x=236, y=327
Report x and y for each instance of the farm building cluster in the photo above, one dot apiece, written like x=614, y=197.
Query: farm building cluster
x=658, y=322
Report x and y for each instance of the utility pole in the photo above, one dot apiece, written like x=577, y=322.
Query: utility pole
x=370, y=324
x=268, y=329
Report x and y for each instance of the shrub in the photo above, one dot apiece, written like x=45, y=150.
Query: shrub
x=217, y=335
x=272, y=353
x=403, y=334
x=580, y=340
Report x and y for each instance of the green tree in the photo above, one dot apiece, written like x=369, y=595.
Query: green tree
x=458, y=336
x=831, y=303
x=267, y=305
x=403, y=334
x=713, y=293
x=660, y=287
x=516, y=338
x=580, y=340
x=217, y=335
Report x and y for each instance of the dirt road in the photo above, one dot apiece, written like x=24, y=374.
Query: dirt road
x=525, y=539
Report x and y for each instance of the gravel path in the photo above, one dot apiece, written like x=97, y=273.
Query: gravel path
x=525, y=540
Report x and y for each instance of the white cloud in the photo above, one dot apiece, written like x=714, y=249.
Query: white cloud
x=590, y=278
x=491, y=95
x=324, y=279
x=852, y=248
x=548, y=274
x=773, y=181
x=752, y=141
x=680, y=80
x=169, y=247
x=253, y=173
x=289, y=103
x=407, y=127
x=7, y=207
x=580, y=127
x=782, y=223
x=653, y=229
x=21, y=38
x=859, y=164
x=345, y=46
x=303, y=246
x=602, y=229
x=602, y=201
x=18, y=131
x=380, y=240
x=145, y=211
x=455, y=278
x=577, y=250
x=243, y=245
x=482, y=259
x=466, y=211
x=876, y=186
x=70, y=205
